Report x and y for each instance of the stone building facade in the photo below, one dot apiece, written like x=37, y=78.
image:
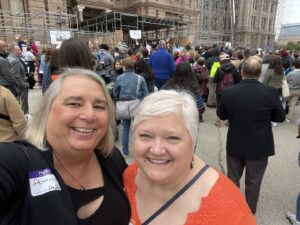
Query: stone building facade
x=205, y=21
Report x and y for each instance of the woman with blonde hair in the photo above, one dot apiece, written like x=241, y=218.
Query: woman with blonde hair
x=66, y=171
x=183, y=56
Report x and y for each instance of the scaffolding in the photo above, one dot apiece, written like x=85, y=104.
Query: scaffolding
x=120, y=21
x=37, y=25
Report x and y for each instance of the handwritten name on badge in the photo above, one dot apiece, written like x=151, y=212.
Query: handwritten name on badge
x=42, y=181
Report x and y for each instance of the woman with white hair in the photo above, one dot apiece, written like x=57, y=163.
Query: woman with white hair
x=169, y=184
x=66, y=171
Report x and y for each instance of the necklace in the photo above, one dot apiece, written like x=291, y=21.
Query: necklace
x=82, y=188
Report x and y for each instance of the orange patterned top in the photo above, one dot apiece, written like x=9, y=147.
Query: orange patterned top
x=224, y=204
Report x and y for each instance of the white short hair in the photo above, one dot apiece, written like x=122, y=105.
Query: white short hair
x=164, y=102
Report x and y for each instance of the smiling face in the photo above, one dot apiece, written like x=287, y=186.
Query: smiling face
x=163, y=149
x=78, y=118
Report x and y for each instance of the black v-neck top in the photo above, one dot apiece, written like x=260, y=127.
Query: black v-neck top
x=108, y=213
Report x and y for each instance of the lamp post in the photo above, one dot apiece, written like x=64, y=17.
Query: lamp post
x=233, y=23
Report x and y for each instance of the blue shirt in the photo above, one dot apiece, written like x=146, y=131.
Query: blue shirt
x=162, y=64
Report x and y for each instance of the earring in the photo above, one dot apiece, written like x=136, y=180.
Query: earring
x=192, y=163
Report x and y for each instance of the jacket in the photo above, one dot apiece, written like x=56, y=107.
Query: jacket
x=24, y=170
x=221, y=71
x=250, y=106
x=18, y=71
x=184, y=58
x=272, y=79
x=10, y=128
x=6, y=78
x=162, y=64
x=203, y=76
x=126, y=85
x=293, y=79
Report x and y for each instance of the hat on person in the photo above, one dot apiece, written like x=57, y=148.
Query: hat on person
x=224, y=57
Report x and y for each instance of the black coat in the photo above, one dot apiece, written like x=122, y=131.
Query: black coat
x=18, y=161
x=250, y=106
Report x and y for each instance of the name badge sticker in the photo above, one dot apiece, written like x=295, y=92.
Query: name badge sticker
x=42, y=181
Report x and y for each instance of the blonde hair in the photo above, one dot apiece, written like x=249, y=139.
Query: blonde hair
x=182, y=52
x=36, y=130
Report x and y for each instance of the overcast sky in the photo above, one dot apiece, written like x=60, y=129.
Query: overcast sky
x=292, y=14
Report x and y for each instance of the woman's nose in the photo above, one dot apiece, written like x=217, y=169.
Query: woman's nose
x=88, y=113
x=158, y=147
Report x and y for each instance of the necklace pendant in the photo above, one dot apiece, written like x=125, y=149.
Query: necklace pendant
x=82, y=188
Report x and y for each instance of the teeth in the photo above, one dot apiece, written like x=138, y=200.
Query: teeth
x=83, y=130
x=159, y=161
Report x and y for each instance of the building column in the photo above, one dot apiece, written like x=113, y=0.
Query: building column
x=78, y=10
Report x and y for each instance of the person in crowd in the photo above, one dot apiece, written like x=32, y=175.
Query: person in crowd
x=74, y=52
x=145, y=54
x=30, y=58
x=250, y=138
x=41, y=66
x=274, y=74
x=12, y=119
x=116, y=71
x=128, y=86
x=237, y=58
x=123, y=52
x=162, y=64
x=106, y=61
x=246, y=54
x=7, y=80
x=18, y=71
x=185, y=79
x=168, y=178
x=293, y=79
x=142, y=68
x=55, y=64
x=203, y=75
x=183, y=56
x=132, y=55
x=212, y=64
x=175, y=55
x=286, y=61
x=226, y=69
x=265, y=66
x=294, y=219
x=66, y=160
x=116, y=52
x=34, y=48
x=46, y=71
x=191, y=54
x=206, y=52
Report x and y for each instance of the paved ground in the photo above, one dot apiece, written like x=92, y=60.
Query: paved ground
x=281, y=183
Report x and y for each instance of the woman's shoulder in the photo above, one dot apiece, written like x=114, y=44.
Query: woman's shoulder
x=226, y=189
x=224, y=205
x=116, y=160
x=17, y=154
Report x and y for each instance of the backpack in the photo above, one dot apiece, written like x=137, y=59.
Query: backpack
x=214, y=68
x=227, y=81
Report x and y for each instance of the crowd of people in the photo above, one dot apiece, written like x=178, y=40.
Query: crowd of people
x=62, y=166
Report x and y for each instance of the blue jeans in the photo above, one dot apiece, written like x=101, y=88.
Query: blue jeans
x=298, y=208
x=125, y=136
